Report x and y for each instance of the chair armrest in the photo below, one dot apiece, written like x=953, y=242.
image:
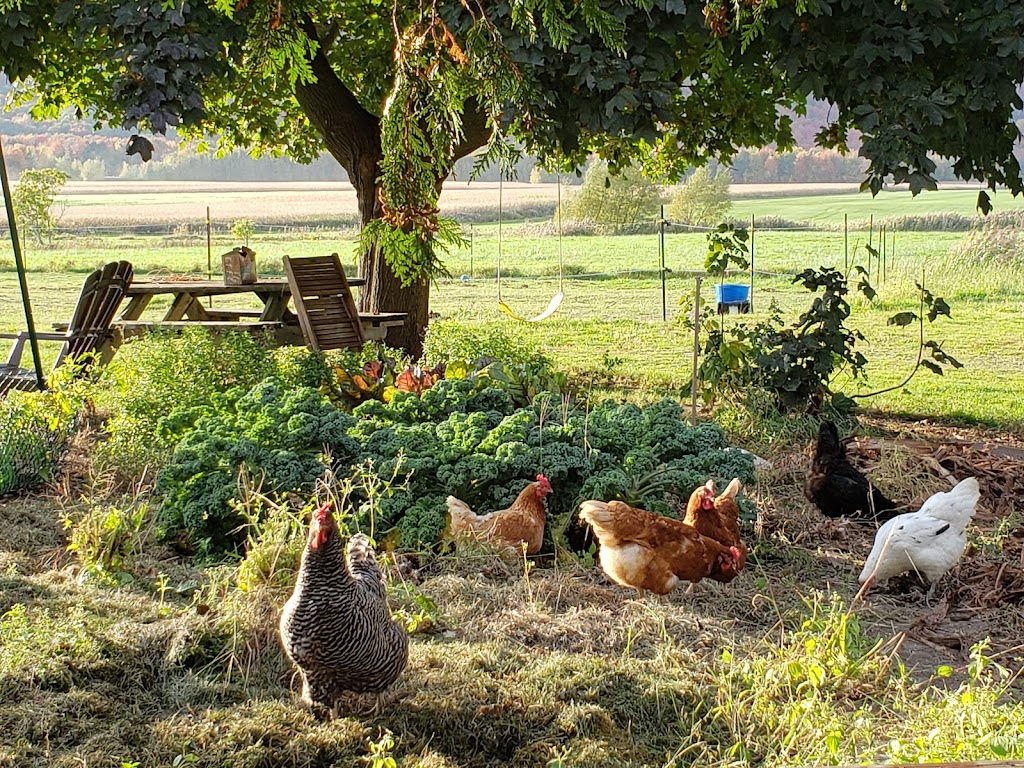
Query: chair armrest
x=18, y=348
x=42, y=335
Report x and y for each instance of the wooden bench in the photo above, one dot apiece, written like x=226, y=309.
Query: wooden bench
x=233, y=314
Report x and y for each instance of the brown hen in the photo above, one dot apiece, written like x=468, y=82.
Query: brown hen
x=508, y=529
x=718, y=518
x=649, y=552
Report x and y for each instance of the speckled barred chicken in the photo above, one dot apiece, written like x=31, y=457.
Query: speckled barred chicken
x=336, y=626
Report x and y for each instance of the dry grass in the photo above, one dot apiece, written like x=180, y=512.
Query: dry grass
x=172, y=203
x=550, y=667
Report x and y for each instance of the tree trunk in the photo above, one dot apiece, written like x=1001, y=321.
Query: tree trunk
x=383, y=291
x=352, y=135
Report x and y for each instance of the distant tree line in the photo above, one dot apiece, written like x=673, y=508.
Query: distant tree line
x=93, y=157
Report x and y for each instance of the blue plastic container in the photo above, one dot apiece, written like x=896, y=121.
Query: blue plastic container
x=732, y=293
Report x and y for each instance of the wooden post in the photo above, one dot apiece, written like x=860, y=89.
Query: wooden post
x=209, y=254
x=846, y=244
x=661, y=254
x=750, y=298
x=871, y=244
x=892, y=249
x=696, y=353
x=881, y=253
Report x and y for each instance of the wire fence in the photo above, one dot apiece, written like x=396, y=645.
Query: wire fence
x=31, y=444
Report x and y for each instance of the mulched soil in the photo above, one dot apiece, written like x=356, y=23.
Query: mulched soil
x=984, y=595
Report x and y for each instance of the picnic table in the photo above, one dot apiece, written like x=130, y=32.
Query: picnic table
x=187, y=309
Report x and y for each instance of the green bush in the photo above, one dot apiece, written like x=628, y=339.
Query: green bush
x=151, y=376
x=448, y=341
x=704, y=199
x=614, y=201
x=36, y=427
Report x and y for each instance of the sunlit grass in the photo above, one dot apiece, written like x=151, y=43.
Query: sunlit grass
x=614, y=302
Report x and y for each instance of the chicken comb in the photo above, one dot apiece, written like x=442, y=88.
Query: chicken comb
x=321, y=513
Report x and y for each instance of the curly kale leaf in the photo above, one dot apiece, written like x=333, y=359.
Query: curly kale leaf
x=516, y=428
x=422, y=522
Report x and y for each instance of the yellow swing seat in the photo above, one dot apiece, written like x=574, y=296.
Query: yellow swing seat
x=556, y=300
x=552, y=307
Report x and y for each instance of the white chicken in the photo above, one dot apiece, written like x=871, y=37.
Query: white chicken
x=929, y=541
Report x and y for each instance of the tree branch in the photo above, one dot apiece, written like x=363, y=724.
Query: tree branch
x=475, y=132
x=350, y=132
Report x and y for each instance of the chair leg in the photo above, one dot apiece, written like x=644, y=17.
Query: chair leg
x=17, y=350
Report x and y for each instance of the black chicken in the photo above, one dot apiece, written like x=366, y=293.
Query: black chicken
x=336, y=627
x=837, y=488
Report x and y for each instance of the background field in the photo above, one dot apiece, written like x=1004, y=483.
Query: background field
x=614, y=300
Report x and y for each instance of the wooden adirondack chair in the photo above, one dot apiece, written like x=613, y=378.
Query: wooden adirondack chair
x=88, y=332
x=323, y=301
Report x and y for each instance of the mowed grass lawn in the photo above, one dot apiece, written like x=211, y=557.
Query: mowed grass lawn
x=613, y=306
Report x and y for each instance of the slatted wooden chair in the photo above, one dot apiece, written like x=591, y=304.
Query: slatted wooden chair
x=323, y=301
x=86, y=336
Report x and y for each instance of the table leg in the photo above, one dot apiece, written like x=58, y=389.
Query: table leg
x=196, y=311
x=136, y=307
x=275, y=305
x=180, y=306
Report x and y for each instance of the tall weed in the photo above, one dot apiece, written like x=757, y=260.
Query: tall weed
x=150, y=377
x=105, y=539
x=825, y=693
x=36, y=427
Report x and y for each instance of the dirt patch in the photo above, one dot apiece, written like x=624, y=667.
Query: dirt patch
x=910, y=460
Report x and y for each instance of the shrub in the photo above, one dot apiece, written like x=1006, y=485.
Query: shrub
x=448, y=342
x=151, y=376
x=36, y=427
x=703, y=200
x=616, y=201
x=34, y=199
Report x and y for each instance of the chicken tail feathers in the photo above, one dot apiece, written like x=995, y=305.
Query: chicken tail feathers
x=957, y=506
x=828, y=446
x=362, y=561
x=463, y=518
x=600, y=516
x=732, y=490
x=595, y=512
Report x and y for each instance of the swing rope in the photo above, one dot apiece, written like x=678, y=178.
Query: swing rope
x=556, y=300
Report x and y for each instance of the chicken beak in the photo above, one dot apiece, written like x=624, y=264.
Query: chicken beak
x=864, y=587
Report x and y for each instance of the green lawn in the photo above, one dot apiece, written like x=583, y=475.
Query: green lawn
x=613, y=296
x=540, y=664
x=829, y=209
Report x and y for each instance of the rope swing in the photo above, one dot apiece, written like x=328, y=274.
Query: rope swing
x=556, y=300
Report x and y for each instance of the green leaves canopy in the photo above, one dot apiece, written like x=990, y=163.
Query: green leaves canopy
x=661, y=82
